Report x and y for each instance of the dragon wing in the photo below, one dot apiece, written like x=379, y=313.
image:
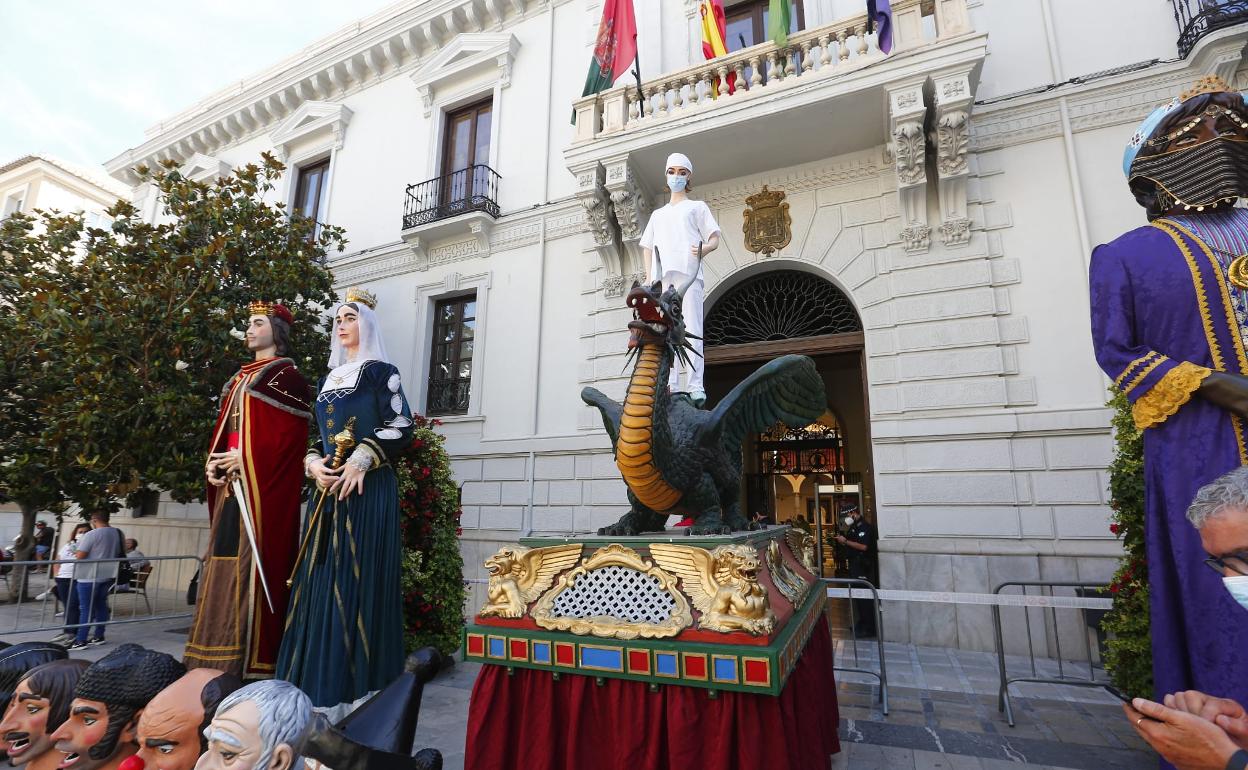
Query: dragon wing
x=694, y=566
x=540, y=565
x=787, y=389
x=611, y=410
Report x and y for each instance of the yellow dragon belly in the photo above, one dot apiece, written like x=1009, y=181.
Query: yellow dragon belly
x=633, y=455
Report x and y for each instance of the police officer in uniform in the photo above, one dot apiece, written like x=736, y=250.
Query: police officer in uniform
x=859, y=539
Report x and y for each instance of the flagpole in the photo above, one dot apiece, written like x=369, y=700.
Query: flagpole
x=641, y=97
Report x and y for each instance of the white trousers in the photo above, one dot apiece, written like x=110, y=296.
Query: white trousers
x=691, y=308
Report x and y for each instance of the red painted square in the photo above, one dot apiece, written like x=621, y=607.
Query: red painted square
x=638, y=662
x=519, y=649
x=476, y=645
x=565, y=654
x=757, y=672
x=695, y=666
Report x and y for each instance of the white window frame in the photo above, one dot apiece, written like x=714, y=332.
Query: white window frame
x=319, y=130
x=451, y=286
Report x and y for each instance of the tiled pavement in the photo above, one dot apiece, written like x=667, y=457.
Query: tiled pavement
x=942, y=710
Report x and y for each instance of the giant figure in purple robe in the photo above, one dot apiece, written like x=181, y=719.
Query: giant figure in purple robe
x=1169, y=324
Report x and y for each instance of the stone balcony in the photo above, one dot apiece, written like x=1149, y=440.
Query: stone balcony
x=829, y=91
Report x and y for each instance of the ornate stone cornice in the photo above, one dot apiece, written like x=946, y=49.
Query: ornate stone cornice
x=1126, y=98
x=856, y=167
x=393, y=41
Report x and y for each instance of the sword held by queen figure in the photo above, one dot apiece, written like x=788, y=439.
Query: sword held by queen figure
x=343, y=440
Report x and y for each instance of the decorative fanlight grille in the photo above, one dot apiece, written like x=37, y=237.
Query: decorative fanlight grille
x=780, y=305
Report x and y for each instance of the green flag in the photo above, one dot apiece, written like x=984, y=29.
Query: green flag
x=778, y=22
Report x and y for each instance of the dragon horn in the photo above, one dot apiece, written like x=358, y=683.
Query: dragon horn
x=695, y=350
x=691, y=334
x=681, y=291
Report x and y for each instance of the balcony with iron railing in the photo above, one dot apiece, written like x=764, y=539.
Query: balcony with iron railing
x=462, y=204
x=818, y=95
x=1197, y=18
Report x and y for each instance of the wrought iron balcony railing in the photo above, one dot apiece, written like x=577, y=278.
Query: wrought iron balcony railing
x=474, y=188
x=447, y=397
x=1197, y=18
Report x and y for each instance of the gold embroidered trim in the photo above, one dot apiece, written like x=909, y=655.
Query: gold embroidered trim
x=1170, y=393
x=1144, y=373
x=1142, y=359
x=1232, y=326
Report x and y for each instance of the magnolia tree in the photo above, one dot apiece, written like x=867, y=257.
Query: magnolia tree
x=119, y=340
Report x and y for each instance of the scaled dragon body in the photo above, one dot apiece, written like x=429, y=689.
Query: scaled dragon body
x=674, y=457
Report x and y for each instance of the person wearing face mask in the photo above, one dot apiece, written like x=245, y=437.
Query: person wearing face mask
x=1192, y=728
x=859, y=539
x=1169, y=308
x=673, y=239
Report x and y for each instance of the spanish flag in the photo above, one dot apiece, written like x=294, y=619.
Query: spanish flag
x=713, y=45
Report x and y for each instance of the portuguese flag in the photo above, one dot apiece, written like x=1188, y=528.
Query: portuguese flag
x=616, y=47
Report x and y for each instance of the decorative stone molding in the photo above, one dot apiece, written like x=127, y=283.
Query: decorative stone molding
x=613, y=286
x=593, y=196
x=470, y=53
x=954, y=97
x=630, y=204
x=204, y=168
x=908, y=147
x=310, y=120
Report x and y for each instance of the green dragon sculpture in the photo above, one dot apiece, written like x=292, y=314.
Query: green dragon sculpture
x=677, y=458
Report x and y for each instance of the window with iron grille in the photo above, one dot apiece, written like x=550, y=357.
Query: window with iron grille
x=450, y=368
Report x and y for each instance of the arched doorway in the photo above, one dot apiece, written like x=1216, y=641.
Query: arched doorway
x=804, y=476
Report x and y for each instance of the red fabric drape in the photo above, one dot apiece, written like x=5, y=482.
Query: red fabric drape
x=528, y=720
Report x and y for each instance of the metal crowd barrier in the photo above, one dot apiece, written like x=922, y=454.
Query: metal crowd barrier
x=1052, y=603
x=33, y=615
x=848, y=592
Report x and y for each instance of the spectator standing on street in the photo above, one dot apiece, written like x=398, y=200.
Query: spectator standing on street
x=43, y=540
x=92, y=581
x=64, y=588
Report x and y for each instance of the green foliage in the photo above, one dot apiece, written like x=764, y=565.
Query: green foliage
x=120, y=340
x=1128, y=653
x=433, y=571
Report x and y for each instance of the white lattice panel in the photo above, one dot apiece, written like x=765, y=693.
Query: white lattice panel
x=617, y=592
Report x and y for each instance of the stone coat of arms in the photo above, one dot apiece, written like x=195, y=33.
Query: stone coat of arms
x=768, y=226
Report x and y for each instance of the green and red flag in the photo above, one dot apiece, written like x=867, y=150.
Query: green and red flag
x=616, y=47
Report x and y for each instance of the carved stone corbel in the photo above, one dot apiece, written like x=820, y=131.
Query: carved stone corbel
x=631, y=206
x=908, y=147
x=598, y=214
x=952, y=139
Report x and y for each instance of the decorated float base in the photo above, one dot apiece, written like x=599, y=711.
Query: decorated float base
x=657, y=651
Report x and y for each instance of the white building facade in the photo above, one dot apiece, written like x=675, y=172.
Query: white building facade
x=943, y=201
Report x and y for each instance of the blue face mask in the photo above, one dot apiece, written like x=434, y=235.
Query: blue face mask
x=676, y=182
x=1238, y=588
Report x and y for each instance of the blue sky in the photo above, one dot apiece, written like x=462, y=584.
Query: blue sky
x=83, y=79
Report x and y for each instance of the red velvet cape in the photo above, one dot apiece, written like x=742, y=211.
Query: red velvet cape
x=528, y=720
x=273, y=428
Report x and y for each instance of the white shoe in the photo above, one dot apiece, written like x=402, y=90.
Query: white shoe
x=698, y=397
x=42, y=596
x=60, y=614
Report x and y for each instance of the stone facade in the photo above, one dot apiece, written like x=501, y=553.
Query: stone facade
x=952, y=199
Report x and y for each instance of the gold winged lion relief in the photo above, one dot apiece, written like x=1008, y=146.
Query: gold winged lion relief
x=722, y=583
x=518, y=575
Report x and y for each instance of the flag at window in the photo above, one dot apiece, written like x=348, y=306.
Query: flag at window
x=713, y=43
x=616, y=47
x=880, y=18
x=778, y=21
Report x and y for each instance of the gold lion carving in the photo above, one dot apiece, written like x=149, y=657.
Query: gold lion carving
x=518, y=575
x=723, y=584
x=802, y=544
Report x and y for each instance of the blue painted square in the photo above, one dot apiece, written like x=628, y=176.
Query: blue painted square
x=541, y=652
x=665, y=663
x=611, y=660
x=497, y=648
x=725, y=670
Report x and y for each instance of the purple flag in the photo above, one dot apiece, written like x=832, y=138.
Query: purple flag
x=880, y=18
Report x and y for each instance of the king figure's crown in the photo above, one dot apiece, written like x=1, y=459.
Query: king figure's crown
x=274, y=309
x=1209, y=84
x=356, y=294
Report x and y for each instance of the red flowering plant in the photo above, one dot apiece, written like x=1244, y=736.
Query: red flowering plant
x=1128, y=651
x=433, y=570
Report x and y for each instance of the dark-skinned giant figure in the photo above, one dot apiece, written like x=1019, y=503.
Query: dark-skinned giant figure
x=1169, y=307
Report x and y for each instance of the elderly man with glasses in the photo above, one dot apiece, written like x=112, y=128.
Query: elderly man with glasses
x=1193, y=729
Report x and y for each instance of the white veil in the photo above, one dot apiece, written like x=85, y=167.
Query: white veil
x=371, y=347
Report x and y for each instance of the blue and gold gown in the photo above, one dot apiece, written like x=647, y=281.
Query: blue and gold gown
x=344, y=628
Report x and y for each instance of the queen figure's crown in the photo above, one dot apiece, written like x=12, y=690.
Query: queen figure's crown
x=356, y=294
